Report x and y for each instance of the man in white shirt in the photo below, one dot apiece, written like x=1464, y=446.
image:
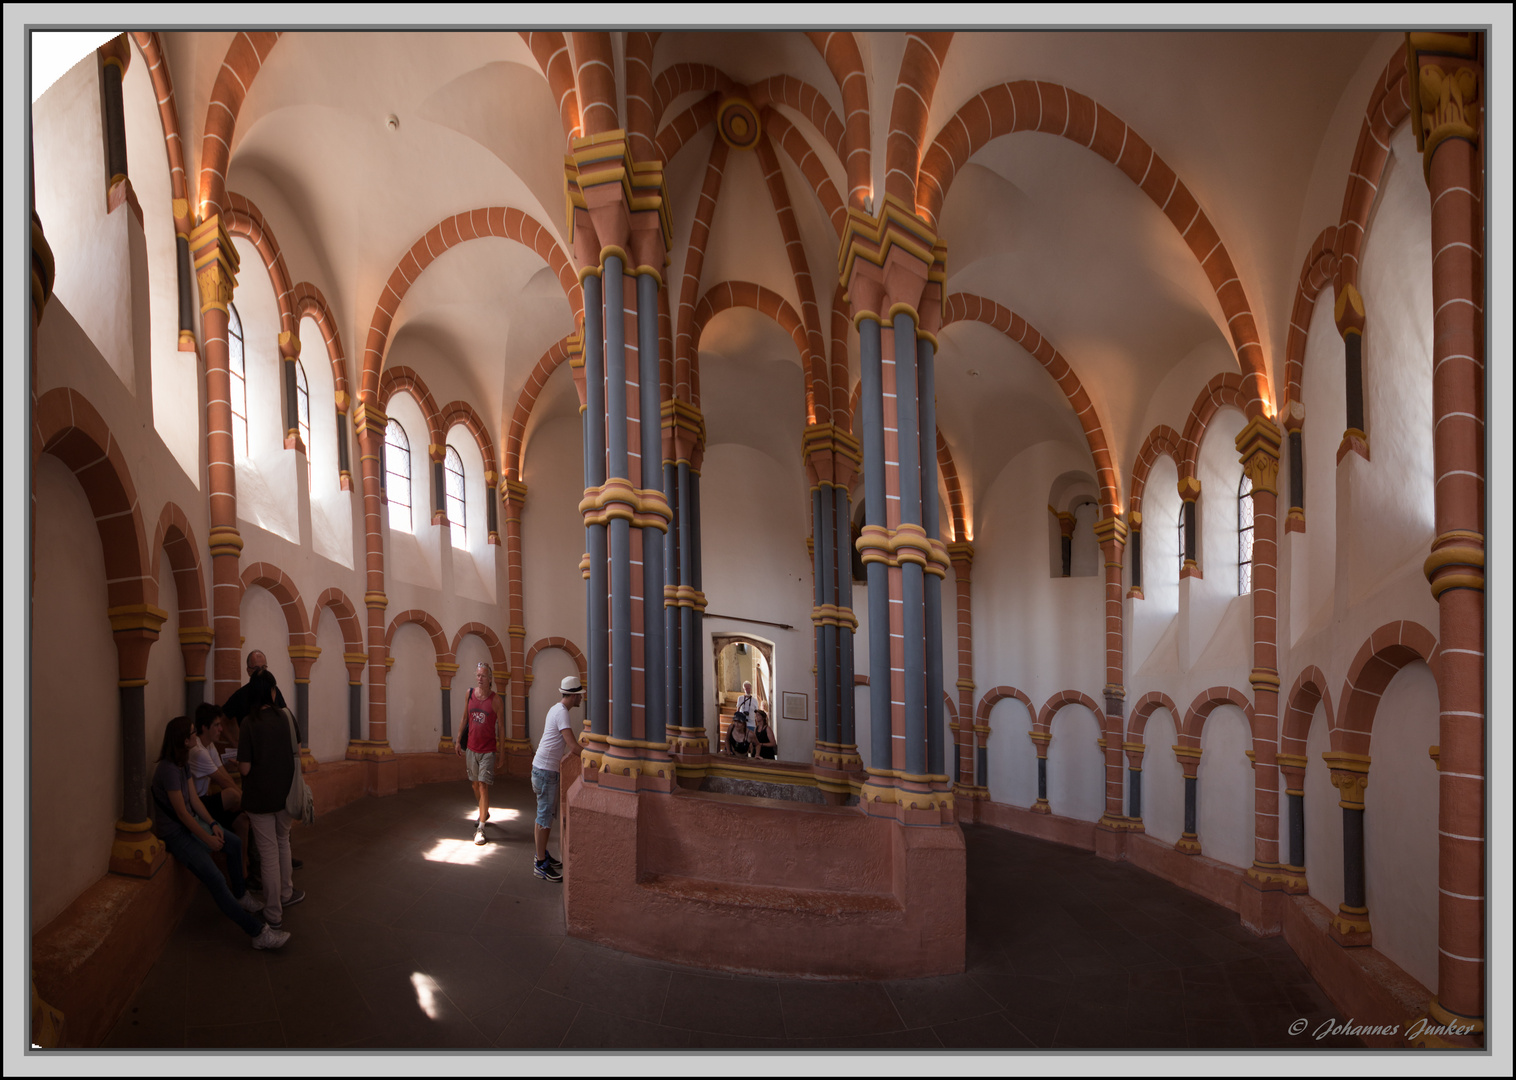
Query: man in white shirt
x=558, y=741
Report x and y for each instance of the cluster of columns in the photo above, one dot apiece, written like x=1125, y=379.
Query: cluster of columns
x=832, y=458
x=970, y=760
x=893, y=268
x=621, y=229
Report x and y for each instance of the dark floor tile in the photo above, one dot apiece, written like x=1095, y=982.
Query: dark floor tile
x=540, y=914
x=836, y=1009
x=364, y=945
x=412, y=1010
x=268, y=1034
x=321, y=1005
x=1026, y=996
x=443, y=913
x=1222, y=1034
x=1099, y=991
x=1160, y=1012
x=592, y=1029
x=939, y=1000
x=904, y=1039
x=1156, y=982
x=539, y=1022
x=635, y=991
x=1212, y=1003
x=992, y=1031
x=726, y=1006
x=377, y=904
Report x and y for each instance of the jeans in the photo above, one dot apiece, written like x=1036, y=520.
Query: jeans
x=271, y=832
x=545, y=784
x=188, y=849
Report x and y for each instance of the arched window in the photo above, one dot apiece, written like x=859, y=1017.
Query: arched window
x=397, y=467
x=453, y=466
x=1244, y=536
x=237, y=366
x=303, y=413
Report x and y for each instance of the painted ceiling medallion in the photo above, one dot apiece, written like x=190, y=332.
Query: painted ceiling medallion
x=737, y=121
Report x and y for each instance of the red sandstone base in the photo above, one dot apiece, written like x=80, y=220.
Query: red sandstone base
x=762, y=885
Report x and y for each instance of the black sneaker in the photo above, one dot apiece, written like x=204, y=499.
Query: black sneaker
x=296, y=897
x=547, y=871
x=554, y=863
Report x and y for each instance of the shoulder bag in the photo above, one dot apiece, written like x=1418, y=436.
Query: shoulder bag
x=463, y=730
x=300, y=804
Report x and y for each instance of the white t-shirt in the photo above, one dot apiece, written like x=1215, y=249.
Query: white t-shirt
x=203, y=761
x=551, y=749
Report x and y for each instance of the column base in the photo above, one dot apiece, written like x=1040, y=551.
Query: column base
x=445, y=745
x=1041, y=807
x=307, y=760
x=634, y=769
x=1440, y=1029
x=1260, y=904
x=369, y=750
x=136, y=852
x=1350, y=927
x=909, y=800
x=1188, y=844
x=1295, y=883
x=686, y=741
x=1110, y=840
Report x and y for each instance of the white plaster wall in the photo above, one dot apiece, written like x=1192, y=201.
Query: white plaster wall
x=1011, y=755
x=264, y=628
x=1162, y=779
x=414, y=697
x=1393, y=504
x=548, y=671
x=327, y=721
x=1153, y=616
x=1224, y=796
x=1211, y=596
x=1400, y=824
x=1323, y=819
x=414, y=556
x=332, y=533
x=862, y=725
x=75, y=727
x=1076, y=765
x=1313, y=565
x=1086, y=560
x=552, y=541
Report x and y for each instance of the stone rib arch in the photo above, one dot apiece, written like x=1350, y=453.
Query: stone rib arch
x=498, y=659
x=956, y=513
x=1319, y=268
x=151, y=47
x=1378, y=660
x=244, y=59
x=806, y=100
x=335, y=600
x=429, y=624
x=266, y=575
x=687, y=77
x=967, y=306
x=686, y=375
x=398, y=380
x=1032, y=105
x=1146, y=706
x=1309, y=691
x=497, y=221
x=550, y=51
x=175, y=536
x=554, y=642
x=595, y=75
x=993, y=697
x=840, y=51
x=556, y=354
x=1389, y=106
x=1160, y=441
x=1223, y=390
x=455, y=413
x=641, y=114
x=245, y=220
x=920, y=66
x=677, y=133
x=1200, y=709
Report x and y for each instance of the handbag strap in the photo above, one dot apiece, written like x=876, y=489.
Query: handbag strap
x=294, y=735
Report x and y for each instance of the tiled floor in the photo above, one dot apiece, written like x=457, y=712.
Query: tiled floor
x=414, y=937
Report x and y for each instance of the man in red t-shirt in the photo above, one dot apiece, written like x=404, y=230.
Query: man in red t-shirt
x=482, y=714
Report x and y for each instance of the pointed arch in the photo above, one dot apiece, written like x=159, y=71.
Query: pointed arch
x=1309, y=691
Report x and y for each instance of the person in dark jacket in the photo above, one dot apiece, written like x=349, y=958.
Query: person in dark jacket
x=267, y=759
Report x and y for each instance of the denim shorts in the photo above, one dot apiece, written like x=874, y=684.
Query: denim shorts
x=545, y=784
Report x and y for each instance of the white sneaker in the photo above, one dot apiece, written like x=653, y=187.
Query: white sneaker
x=271, y=938
x=249, y=902
x=479, y=835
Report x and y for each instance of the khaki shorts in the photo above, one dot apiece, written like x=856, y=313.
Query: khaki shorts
x=480, y=767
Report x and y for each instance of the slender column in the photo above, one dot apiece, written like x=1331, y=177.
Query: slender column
x=370, y=423
x=303, y=658
x=135, y=850
x=970, y=775
x=437, y=455
x=689, y=701
x=1292, y=767
x=1134, y=752
x=445, y=673
x=597, y=704
x=871, y=402
x=908, y=658
x=344, y=455
x=1111, y=534
x=1294, y=419
x=113, y=58
x=355, y=662
x=1134, y=523
x=824, y=512
x=1065, y=542
x=1350, y=323
x=1350, y=776
x=491, y=516
x=1189, y=761
x=513, y=493
x=195, y=646
x=619, y=528
x=935, y=569
x=216, y=265
x=1189, y=495
x=672, y=685
x=1134, y=807
x=289, y=352
x=696, y=641
x=1041, y=740
x=1447, y=114
x=844, y=733
x=655, y=644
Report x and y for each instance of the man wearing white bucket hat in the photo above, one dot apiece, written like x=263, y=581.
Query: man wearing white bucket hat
x=558, y=740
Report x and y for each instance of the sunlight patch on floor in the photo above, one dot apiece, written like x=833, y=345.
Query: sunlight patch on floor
x=458, y=852
x=426, y=994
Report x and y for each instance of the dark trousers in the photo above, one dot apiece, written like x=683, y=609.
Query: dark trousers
x=188, y=849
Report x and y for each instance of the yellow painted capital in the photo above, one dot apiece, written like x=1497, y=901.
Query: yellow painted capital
x=1189, y=488
x=136, y=617
x=216, y=263
x=1349, y=311
x=1350, y=776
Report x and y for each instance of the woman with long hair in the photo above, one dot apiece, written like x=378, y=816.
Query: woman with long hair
x=180, y=821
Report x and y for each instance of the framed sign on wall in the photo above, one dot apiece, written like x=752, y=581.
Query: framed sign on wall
x=796, y=706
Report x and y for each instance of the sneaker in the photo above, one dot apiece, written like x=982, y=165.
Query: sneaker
x=546, y=871
x=296, y=864
x=554, y=863
x=479, y=835
x=295, y=897
x=250, y=902
x=271, y=938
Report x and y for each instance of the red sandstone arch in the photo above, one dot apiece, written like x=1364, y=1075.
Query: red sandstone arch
x=1319, y=267
x=491, y=641
x=461, y=412
x=66, y=425
x=1388, y=107
x=498, y=221
x=683, y=78
x=243, y=60
x=745, y=294
x=920, y=66
x=347, y=619
x=552, y=56
x=1379, y=659
x=1148, y=704
x=246, y=220
x=535, y=382
x=966, y=306
x=555, y=643
x=1161, y=440
x=798, y=149
x=1200, y=709
x=1310, y=690
x=310, y=304
x=676, y=134
x=641, y=114
x=954, y=487
x=595, y=74
x=402, y=379
x=1044, y=720
x=994, y=696
x=427, y=623
x=840, y=51
x=176, y=536
x=806, y=100
x=1224, y=389
x=686, y=385
x=151, y=47
x=1029, y=105
x=266, y=575
x=842, y=323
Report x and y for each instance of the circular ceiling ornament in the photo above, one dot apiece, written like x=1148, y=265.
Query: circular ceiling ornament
x=737, y=121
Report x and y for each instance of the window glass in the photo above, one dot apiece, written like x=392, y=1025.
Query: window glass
x=237, y=367
x=1244, y=536
x=453, y=468
x=397, y=467
x=303, y=413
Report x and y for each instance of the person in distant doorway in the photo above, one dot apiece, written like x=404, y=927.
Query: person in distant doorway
x=737, y=742
x=205, y=765
x=482, y=714
x=763, y=736
x=266, y=757
x=181, y=820
x=745, y=704
x=558, y=741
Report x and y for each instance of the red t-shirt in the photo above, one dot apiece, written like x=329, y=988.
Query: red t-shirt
x=481, y=714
